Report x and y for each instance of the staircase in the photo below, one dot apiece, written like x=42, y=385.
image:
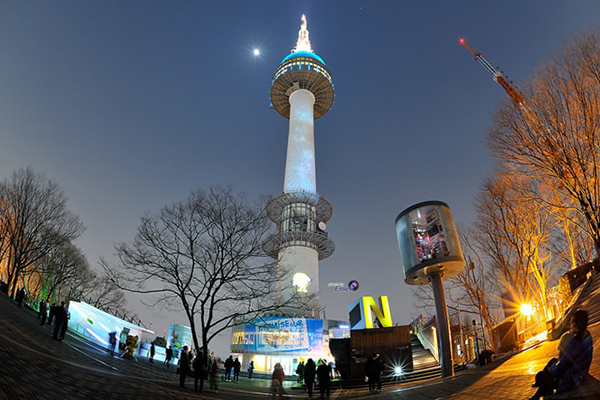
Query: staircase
x=425, y=366
x=590, y=300
x=422, y=358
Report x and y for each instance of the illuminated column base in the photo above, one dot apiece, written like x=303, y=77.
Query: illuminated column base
x=300, y=265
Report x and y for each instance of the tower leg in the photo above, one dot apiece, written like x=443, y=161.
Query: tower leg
x=443, y=324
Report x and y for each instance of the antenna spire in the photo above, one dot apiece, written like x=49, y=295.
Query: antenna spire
x=303, y=43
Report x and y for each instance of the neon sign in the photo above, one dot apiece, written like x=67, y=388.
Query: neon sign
x=362, y=310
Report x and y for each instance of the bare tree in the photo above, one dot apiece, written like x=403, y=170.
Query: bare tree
x=60, y=267
x=552, y=138
x=35, y=220
x=104, y=294
x=513, y=230
x=203, y=256
x=472, y=290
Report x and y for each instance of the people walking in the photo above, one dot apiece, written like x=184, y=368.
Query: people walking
x=112, y=341
x=42, y=309
x=60, y=315
x=168, y=356
x=323, y=375
x=214, y=374
x=184, y=366
x=310, y=371
x=43, y=312
x=64, y=325
x=228, y=367
x=250, y=369
x=300, y=372
x=277, y=382
x=237, y=367
x=21, y=295
x=51, y=314
x=152, y=351
x=200, y=369
x=373, y=372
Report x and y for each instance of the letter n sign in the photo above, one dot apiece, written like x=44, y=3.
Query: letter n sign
x=361, y=313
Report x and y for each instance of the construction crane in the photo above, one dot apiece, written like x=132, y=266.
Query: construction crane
x=498, y=76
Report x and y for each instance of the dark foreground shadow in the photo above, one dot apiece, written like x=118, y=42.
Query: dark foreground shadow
x=589, y=389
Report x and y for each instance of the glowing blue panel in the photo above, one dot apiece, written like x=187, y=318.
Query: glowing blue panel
x=303, y=54
x=95, y=324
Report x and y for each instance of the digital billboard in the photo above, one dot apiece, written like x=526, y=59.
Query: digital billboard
x=284, y=335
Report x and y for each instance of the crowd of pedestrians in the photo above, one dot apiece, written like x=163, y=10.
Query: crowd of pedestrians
x=57, y=314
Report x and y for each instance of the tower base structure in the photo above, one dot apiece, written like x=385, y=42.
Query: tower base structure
x=288, y=341
x=299, y=244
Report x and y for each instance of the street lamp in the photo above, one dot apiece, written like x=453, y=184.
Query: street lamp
x=527, y=309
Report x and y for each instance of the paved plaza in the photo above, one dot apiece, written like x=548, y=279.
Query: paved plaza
x=35, y=366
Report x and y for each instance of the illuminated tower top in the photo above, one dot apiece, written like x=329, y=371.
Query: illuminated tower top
x=302, y=69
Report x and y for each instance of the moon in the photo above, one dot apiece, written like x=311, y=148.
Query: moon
x=256, y=52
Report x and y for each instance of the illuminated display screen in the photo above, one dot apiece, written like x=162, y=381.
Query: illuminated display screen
x=96, y=324
x=288, y=335
x=179, y=336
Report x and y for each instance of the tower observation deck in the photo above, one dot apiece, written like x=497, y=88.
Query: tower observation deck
x=302, y=91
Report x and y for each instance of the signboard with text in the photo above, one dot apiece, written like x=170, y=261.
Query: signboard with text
x=289, y=335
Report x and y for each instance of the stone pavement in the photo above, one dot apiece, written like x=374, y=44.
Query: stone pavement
x=35, y=366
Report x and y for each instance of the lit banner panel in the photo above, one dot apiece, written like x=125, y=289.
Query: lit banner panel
x=287, y=335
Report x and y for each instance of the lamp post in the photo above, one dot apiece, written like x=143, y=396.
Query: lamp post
x=472, y=268
x=430, y=250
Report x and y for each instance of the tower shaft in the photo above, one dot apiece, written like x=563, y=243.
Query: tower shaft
x=300, y=171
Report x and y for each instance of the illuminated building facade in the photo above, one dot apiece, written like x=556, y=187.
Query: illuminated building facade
x=302, y=91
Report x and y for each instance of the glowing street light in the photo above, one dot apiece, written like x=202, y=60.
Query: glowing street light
x=526, y=309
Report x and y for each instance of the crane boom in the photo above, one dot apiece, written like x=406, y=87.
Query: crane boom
x=497, y=76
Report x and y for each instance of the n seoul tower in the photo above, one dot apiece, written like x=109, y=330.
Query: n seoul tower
x=302, y=91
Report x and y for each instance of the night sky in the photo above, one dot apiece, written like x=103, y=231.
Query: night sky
x=130, y=105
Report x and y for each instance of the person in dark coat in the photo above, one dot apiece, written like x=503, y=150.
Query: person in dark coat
x=51, y=314
x=184, y=366
x=323, y=375
x=228, y=366
x=573, y=366
x=60, y=315
x=300, y=371
x=237, y=367
x=42, y=309
x=152, y=351
x=373, y=372
x=112, y=341
x=214, y=372
x=43, y=312
x=168, y=356
x=250, y=369
x=64, y=325
x=310, y=370
x=21, y=296
x=200, y=370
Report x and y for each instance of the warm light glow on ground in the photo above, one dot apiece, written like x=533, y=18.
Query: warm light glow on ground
x=532, y=341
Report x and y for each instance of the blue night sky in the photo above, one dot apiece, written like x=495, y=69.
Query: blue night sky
x=129, y=105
